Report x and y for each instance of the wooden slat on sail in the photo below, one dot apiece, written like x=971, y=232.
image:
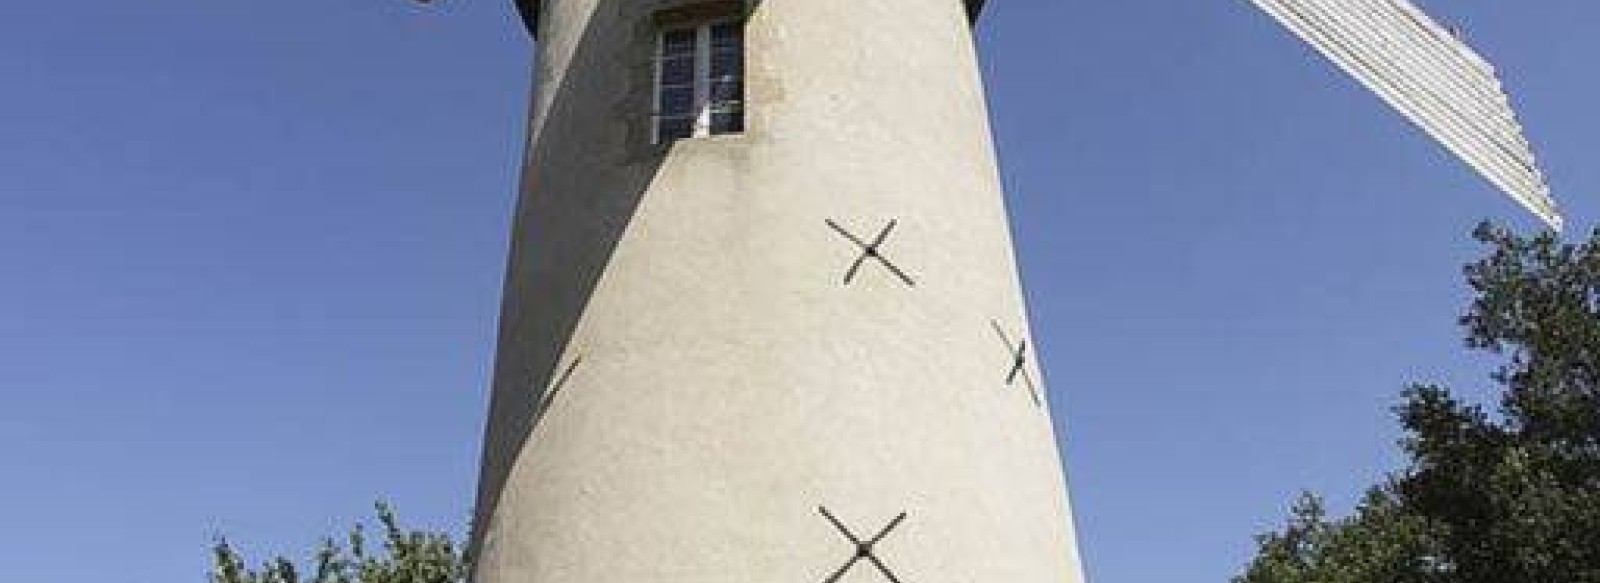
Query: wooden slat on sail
x=1433, y=78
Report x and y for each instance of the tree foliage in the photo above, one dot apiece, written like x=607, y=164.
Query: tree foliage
x=407, y=556
x=1506, y=497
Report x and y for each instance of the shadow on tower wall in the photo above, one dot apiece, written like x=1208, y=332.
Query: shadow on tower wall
x=589, y=165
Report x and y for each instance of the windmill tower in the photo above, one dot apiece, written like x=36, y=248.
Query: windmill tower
x=762, y=318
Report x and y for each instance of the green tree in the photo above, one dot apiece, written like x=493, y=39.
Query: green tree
x=1378, y=543
x=408, y=556
x=1512, y=496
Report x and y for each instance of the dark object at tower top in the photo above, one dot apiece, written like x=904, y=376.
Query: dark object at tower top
x=530, y=12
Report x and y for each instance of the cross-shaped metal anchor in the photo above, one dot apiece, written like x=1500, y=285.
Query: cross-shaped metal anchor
x=864, y=548
x=554, y=390
x=871, y=251
x=1019, y=363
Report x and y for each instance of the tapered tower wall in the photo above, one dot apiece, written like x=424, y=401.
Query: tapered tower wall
x=685, y=378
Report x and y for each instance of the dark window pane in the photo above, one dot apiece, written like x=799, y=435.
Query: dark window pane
x=675, y=128
x=676, y=42
x=727, y=35
x=678, y=71
x=726, y=64
x=677, y=101
x=725, y=91
x=730, y=122
x=689, y=54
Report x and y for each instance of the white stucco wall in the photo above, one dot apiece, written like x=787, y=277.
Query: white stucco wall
x=730, y=383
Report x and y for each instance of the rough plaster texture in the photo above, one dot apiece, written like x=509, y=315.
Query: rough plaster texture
x=714, y=380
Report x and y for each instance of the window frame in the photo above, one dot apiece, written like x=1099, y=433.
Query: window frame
x=703, y=82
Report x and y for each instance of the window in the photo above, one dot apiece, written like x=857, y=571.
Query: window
x=700, y=81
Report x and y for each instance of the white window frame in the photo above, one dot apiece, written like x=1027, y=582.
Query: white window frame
x=702, y=76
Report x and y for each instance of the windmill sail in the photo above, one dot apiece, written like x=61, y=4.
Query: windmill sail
x=1433, y=78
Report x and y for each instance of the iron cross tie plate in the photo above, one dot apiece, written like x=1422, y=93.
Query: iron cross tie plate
x=872, y=251
x=865, y=550
x=1019, y=363
x=551, y=393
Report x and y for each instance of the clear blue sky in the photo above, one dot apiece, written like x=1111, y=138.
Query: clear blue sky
x=251, y=254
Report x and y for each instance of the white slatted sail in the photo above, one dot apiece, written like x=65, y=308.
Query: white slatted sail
x=1433, y=78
